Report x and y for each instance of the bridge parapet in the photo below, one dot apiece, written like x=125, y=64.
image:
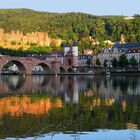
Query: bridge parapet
x=26, y=64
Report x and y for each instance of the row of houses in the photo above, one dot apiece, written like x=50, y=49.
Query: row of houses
x=71, y=57
x=130, y=49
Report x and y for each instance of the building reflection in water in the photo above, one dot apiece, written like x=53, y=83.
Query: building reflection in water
x=39, y=94
x=113, y=87
x=67, y=103
x=17, y=106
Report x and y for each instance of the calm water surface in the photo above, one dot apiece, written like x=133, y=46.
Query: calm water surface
x=70, y=107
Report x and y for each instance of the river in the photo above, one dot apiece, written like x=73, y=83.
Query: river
x=70, y=107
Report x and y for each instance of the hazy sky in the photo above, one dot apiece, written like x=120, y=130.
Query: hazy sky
x=95, y=7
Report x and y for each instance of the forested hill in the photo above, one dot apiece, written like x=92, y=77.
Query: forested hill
x=71, y=25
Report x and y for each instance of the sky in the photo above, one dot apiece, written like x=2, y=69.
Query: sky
x=94, y=7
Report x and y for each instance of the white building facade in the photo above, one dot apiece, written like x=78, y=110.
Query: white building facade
x=134, y=52
x=109, y=54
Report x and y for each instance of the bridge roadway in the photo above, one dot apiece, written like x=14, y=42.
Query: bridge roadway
x=26, y=64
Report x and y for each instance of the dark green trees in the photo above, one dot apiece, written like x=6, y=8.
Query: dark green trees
x=98, y=63
x=105, y=63
x=133, y=62
x=123, y=61
x=71, y=26
x=114, y=62
x=89, y=62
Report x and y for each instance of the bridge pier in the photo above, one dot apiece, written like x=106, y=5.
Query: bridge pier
x=26, y=64
x=55, y=67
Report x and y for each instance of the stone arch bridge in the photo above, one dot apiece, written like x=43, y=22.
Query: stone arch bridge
x=26, y=64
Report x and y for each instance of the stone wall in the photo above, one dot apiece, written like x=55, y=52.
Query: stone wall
x=39, y=38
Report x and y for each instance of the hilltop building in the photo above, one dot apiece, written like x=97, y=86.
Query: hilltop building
x=16, y=39
x=88, y=52
x=129, y=18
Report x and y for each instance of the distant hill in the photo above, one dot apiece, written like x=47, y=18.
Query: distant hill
x=85, y=28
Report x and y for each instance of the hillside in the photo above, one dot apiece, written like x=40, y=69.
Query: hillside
x=71, y=26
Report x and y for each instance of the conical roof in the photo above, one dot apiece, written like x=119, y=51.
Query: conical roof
x=67, y=45
x=75, y=44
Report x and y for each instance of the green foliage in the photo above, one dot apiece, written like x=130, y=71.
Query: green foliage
x=39, y=49
x=98, y=63
x=20, y=52
x=123, y=61
x=105, y=63
x=114, y=62
x=71, y=26
x=133, y=61
x=84, y=117
x=89, y=62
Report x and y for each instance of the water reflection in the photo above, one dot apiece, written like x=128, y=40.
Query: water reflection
x=69, y=88
x=35, y=105
x=14, y=83
x=106, y=86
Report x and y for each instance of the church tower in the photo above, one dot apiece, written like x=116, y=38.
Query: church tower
x=75, y=49
x=75, y=91
x=75, y=55
x=66, y=48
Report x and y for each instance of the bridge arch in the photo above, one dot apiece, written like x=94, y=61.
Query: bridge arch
x=69, y=70
x=41, y=68
x=62, y=69
x=8, y=67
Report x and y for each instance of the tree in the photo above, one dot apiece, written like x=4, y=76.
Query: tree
x=123, y=61
x=105, y=63
x=71, y=26
x=114, y=62
x=133, y=61
x=98, y=63
x=89, y=62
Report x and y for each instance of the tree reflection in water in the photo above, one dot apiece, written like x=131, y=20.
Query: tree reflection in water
x=62, y=104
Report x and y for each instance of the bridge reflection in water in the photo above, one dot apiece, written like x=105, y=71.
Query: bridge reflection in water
x=41, y=104
x=108, y=87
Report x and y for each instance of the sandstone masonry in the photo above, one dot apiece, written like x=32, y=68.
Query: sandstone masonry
x=20, y=39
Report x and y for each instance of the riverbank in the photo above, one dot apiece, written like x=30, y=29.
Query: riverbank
x=134, y=72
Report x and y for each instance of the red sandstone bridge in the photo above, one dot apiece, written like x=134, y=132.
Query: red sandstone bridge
x=26, y=64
